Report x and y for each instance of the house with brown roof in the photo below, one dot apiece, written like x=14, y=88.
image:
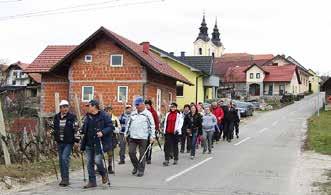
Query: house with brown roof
x=256, y=80
x=104, y=64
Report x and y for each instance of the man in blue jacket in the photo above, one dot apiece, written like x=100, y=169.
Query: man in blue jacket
x=97, y=126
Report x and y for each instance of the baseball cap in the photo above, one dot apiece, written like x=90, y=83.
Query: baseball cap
x=139, y=100
x=64, y=103
x=94, y=103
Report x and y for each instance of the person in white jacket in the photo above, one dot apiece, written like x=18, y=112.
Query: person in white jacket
x=172, y=130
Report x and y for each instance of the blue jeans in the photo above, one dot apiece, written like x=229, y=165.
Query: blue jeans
x=94, y=159
x=64, y=151
x=194, y=141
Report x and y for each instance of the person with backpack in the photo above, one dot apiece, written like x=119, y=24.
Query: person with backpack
x=117, y=126
x=122, y=142
x=149, y=106
x=186, y=138
x=172, y=131
x=193, y=126
x=209, y=122
x=97, y=130
x=65, y=124
x=140, y=127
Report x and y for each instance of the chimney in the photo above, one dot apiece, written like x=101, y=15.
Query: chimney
x=172, y=53
x=145, y=47
x=182, y=54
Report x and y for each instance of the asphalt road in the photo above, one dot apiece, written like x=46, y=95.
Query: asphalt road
x=261, y=162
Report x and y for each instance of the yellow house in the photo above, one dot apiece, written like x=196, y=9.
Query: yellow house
x=314, y=81
x=185, y=93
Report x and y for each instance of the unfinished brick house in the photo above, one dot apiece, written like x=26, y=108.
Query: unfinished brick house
x=108, y=64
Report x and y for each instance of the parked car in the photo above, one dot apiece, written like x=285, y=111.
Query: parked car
x=255, y=103
x=245, y=108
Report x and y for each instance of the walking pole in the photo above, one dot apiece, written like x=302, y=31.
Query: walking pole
x=148, y=148
x=83, y=165
x=113, y=160
x=55, y=170
x=104, y=161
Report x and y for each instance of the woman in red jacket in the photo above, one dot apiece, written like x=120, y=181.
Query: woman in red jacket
x=172, y=130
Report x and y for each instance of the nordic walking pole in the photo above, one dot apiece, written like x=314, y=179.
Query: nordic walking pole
x=104, y=161
x=55, y=170
x=83, y=165
x=148, y=148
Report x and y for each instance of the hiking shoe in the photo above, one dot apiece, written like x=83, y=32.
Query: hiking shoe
x=237, y=136
x=140, y=174
x=90, y=185
x=134, y=171
x=64, y=182
x=204, y=151
x=122, y=162
x=192, y=157
x=175, y=162
x=148, y=162
x=166, y=163
x=104, y=179
x=209, y=152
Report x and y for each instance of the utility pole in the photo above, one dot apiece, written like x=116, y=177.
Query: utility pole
x=4, y=134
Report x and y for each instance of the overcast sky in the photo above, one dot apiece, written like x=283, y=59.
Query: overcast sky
x=300, y=28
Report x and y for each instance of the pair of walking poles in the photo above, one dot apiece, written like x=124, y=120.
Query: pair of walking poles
x=104, y=162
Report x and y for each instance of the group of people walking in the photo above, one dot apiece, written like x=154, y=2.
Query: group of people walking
x=138, y=127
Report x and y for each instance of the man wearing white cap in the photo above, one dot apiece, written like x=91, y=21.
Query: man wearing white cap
x=64, y=134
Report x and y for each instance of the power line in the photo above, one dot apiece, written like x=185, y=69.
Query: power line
x=10, y=1
x=73, y=9
x=57, y=9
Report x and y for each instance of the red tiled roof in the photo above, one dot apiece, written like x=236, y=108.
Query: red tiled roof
x=151, y=58
x=49, y=57
x=222, y=64
x=275, y=73
x=19, y=124
x=36, y=77
x=279, y=73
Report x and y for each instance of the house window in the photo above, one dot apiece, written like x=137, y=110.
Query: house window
x=170, y=97
x=281, y=89
x=258, y=75
x=200, y=51
x=88, y=58
x=116, y=60
x=180, y=90
x=15, y=74
x=87, y=93
x=14, y=82
x=122, y=93
x=271, y=89
x=213, y=54
x=251, y=75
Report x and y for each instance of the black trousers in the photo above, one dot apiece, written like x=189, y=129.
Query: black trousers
x=236, y=127
x=229, y=127
x=149, y=153
x=185, y=140
x=141, y=144
x=171, y=146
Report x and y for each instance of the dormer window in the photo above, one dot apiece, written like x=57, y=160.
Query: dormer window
x=88, y=58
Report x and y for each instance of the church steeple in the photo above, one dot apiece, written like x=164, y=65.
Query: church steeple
x=216, y=35
x=203, y=34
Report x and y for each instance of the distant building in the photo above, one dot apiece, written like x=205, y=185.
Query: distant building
x=314, y=82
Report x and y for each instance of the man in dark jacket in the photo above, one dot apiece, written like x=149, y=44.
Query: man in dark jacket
x=64, y=134
x=149, y=106
x=97, y=130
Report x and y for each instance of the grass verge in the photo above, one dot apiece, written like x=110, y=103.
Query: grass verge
x=319, y=140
